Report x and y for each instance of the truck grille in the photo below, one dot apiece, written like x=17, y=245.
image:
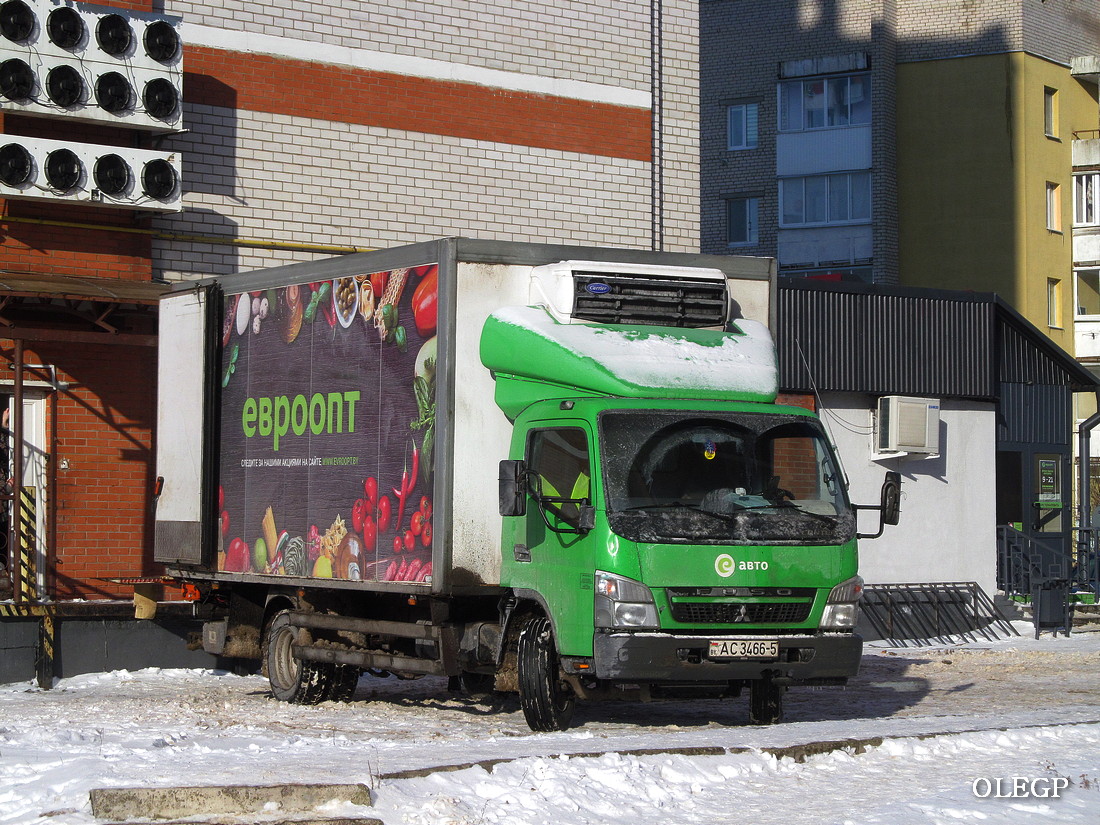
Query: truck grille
x=740, y=612
x=609, y=298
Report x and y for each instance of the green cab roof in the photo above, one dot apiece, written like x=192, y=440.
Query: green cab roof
x=527, y=344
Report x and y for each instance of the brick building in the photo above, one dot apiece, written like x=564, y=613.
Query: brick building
x=303, y=131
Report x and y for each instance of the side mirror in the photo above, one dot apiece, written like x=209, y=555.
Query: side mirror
x=586, y=517
x=512, y=493
x=889, y=506
x=890, y=499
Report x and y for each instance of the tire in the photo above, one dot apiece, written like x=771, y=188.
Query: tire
x=765, y=702
x=478, y=685
x=292, y=680
x=344, y=679
x=547, y=702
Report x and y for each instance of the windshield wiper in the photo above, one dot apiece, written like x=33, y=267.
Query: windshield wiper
x=662, y=505
x=667, y=505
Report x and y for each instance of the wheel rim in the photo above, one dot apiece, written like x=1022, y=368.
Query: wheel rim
x=284, y=667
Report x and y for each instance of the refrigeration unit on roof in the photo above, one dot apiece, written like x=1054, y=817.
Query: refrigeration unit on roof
x=91, y=63
x=87, y=173
x=642, y=294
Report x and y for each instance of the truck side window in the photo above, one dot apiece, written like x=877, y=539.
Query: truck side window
x=559, y=457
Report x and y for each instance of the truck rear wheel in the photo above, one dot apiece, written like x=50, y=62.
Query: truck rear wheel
x=292, y=680
x=765, y=702
x=343, y=679
x=547, y=701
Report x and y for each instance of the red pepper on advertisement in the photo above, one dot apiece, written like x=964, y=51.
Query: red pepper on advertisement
x=383, y=514
x=370, y=534
x=408, y=482
x=359, y=514
x=424, y=303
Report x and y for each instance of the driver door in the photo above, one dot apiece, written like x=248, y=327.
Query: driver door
x=554, y=555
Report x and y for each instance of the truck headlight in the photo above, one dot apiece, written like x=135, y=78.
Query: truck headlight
x=622, y=602
x=842, y=607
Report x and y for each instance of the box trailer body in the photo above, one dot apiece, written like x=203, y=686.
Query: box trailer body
x=547, y=469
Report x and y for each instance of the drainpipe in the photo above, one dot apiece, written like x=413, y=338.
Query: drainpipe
x=15, y=546
x=657, y=108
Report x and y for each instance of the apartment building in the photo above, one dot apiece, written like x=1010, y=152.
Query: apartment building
x=901, y=141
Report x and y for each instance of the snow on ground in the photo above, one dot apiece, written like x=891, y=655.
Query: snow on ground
x=1022, y=708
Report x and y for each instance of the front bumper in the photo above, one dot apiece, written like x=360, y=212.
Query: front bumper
x=664, y=657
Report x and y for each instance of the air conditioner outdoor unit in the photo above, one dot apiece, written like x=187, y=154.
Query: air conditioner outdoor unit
x=91, y=63
x=87, y=173
x=907, y=425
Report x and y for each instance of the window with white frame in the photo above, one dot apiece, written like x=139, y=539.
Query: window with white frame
x=742, y=221
x=824, y=102
x=1088, y=292
x=1050, y=112
x=741, y=125
x=1054, y=303
x=1086, y=198
x=844, y=197
x=1054, y=207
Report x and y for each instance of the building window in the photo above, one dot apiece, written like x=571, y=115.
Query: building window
x=741, y=129
x=1054, y=303
x=824, y=102
x=1050, y=112
x=1088, y=292
x=825, y=199
x=741, y=221
x=1086, y=189
x=1054, y=207
x=856, y=273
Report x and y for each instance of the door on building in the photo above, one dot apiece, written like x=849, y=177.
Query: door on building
x=1033, y=495
x=28, y=550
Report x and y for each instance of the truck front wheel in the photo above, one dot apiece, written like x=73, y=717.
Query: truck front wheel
x=547, y=701
x=765, y=702
x=292, y=680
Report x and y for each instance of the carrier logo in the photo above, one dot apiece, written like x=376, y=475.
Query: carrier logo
x=598, y=288
x=724, y=565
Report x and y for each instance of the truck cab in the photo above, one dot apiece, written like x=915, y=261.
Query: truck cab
x=672, y=543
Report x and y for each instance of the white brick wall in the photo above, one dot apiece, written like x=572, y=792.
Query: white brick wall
x=313, y=182
x=577, y=39
x=247, y=176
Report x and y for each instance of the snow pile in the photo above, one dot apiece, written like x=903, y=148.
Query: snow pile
x=1019, y=708
x=646, y=358
x=902, y=781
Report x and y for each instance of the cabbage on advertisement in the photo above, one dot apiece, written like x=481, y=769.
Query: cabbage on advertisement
x=328, y=428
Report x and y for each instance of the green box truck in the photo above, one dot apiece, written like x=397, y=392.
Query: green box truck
x=557, y=471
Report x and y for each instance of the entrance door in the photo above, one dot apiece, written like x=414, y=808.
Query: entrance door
x=1033, y=495
x=30, y=551
x=34, y=502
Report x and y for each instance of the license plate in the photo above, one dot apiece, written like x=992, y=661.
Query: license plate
x=744, y=649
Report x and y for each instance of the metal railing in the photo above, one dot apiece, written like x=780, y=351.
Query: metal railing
x=933, y=612
x=1024, y=563
x=1045, y=573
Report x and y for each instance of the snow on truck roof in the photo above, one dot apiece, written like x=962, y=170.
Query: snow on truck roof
x=633, y=361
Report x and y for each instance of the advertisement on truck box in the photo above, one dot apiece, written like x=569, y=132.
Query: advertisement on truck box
x=328, y=428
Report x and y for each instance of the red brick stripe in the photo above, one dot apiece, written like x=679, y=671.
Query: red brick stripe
x=261, y=83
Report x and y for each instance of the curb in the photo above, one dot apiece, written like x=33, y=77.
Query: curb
x=799, y=753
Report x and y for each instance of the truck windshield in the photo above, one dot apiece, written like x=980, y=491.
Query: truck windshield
x=707, y=478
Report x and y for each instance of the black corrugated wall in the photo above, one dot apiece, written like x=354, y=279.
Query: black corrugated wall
x=885, y=343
